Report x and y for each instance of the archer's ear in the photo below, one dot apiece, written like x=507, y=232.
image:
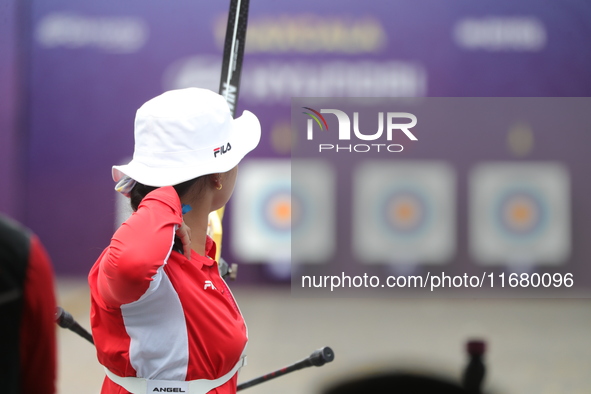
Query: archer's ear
x=216, y=181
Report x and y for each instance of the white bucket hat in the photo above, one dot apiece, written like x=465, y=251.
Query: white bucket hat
x=186, y=133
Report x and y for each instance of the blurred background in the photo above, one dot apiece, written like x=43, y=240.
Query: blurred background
x=72, y=75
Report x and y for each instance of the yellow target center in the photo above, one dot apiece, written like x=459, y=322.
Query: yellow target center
x=403, y=212
x=282, y=211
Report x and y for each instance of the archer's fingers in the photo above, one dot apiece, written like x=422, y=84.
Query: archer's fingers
x=187, y=248
x=184, y=234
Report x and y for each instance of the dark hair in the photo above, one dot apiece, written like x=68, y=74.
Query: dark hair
x=140, y=190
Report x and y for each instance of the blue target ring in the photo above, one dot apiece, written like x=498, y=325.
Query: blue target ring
x=282, y=210
x=404, y=212
x=300, y=211
x=274, y=209
x=520, y=214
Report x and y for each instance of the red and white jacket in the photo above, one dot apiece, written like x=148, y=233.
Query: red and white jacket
x=154, y=313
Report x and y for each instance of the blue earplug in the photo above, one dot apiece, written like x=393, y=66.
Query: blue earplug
x=186, y=208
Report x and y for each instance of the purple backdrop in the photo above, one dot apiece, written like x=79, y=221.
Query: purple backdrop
x=93, y=64
x=11, y=138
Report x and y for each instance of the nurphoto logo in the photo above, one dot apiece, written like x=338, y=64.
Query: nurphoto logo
x=391, y=119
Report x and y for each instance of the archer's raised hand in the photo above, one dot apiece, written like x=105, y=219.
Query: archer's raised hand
x=184, y=234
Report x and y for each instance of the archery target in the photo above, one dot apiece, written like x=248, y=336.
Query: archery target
x=269, y=212
x=404, y=212
x=261, y=211
x=274, y=206
x=519, y=213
